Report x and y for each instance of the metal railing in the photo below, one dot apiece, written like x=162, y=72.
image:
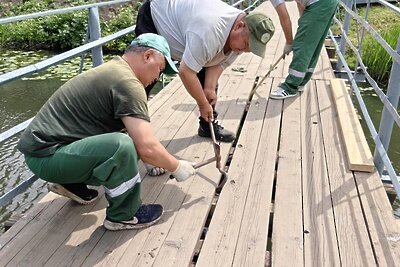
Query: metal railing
x=390, y=100
x=95, y=45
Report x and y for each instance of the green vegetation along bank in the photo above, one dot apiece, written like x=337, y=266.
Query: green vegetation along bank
x=65, y=31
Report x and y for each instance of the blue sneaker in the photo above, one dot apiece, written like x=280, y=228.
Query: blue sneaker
x=145, y=216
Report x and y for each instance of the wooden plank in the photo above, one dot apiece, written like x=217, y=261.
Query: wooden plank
x=164, y=95
x=320, y=242
x=166, y=112
x=26, y=230
x=53, y=235
x=323, y=69
x=112, y=246
x=353, y=238
x=366, y=234
x=382, y=225
x=318, y=70
x=242, y=61
x=179, y=246
x=144, y=249
x=180, y=242
x=172, y=104
x=21, y=224
x=359, y=156
x=24, y=238
x=326, y=65
x=220, y=242
x=167, y=196
x=81, y=241
x=287, y=235
x=328, y=42
x=252, y=240
x=152, y=186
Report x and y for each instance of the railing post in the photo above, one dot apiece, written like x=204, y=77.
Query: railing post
x=386, y=124
x=95, y=34
x=346, y=26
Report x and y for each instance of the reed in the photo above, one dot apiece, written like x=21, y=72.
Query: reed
x=375, y=57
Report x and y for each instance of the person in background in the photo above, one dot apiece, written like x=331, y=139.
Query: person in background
x=206, y=37
x=315, y=19
x=76, y=138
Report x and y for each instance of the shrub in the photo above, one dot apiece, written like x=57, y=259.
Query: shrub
x=125, y=17
x=63, y=31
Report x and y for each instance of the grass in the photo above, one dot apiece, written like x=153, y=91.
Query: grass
x=374, y=56
x=384, y=21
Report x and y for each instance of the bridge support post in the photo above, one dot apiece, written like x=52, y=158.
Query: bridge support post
x=95, y=34
x=386, y=123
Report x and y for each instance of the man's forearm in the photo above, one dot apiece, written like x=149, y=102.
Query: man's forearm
x=211, y=82
x=212, y=75
x=285, y=22
x=147, y=145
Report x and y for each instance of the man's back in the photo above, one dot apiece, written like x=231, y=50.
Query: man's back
x=87, y=105
x=196, y=31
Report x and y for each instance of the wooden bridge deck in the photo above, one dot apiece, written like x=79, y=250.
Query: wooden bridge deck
x=290, y=199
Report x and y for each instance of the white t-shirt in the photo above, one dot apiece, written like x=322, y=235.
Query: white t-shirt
x=196, y=30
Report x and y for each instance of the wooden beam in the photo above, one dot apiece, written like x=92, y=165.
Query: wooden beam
x=383, y=228
x=359, y=156
x=287, y=235
x=320, y=241
x=351, y=230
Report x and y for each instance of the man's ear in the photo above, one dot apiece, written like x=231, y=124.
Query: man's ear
x=147, y=54
x=240, y=24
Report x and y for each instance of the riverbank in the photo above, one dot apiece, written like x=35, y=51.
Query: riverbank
x=64, y=31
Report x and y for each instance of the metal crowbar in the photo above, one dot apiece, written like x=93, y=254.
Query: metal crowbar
x=216, y=158
x=217, y=152
x=271, y=68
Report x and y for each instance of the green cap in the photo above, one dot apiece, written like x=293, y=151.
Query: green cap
x=160, y=44
x=261, y=31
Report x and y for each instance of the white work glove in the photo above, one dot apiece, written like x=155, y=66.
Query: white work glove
x=153, y=170
x=287, y=49
x=184, y=171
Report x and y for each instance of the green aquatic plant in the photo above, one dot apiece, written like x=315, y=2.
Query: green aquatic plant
x=17, y=59
x=387, y=24
x=375, y=57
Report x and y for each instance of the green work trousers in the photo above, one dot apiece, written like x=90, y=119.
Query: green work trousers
x=109, y=160
x=312, y=29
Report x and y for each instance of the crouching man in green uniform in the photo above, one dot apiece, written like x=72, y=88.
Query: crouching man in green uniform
x=76, y=140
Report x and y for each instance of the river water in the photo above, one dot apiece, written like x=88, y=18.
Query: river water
x=21, y=99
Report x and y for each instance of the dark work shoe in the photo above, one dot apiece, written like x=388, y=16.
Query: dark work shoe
x=221, y=134
x=146, y=215
x=77, y=192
